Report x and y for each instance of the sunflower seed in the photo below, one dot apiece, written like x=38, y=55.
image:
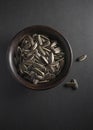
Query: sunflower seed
x=19, y=50
x=26, y=42
x=54, y=44
x=37, y=57
x=28, y=62
x=61, y=59
x=46, y=49
x=29, y=54
x=52, y=68
x=82, y=58
x=44, y=37
x=43, y=40
x=31, y=58
x=35, y=81
x=39, y=71
x=43, y=81
x=27, y=38
x=76, y=83
x=40, y=65
x=22, y=68
x=55, y=63
x=41, y=50
x=70, y=84
x=73, y=83
x=37, y=53
x=40, y=40
x=52, y=57
x=46, y=44
x=39, y=77
x=36, y=60
x=35, y=46
x=32, y=41
x=47, y=53
x=45, y=60
x=56, y=50
x=35, y=35
x=25, y=51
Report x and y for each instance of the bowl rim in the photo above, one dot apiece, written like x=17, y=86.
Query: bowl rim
x=17, y=76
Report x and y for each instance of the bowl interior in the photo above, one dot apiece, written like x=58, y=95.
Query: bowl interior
x=52, y=34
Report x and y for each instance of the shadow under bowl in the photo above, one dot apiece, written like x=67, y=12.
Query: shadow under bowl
x=52, y=34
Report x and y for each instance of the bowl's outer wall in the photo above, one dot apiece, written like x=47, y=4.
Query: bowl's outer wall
x=51, y=33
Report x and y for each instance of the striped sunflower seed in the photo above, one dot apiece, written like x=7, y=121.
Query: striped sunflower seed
x=82, y=58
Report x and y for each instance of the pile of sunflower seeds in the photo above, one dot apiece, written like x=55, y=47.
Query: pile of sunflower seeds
x=38, y=58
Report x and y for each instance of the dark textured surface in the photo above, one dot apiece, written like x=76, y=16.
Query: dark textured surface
x=58, y=108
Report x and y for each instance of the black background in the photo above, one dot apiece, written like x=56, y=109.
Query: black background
x=58, y=108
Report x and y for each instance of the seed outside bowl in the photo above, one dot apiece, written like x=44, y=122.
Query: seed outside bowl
x=52, y=34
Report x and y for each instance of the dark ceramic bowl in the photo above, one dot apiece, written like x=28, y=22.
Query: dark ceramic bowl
x=53, y=34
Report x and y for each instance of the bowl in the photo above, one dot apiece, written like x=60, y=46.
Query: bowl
x=53, y=34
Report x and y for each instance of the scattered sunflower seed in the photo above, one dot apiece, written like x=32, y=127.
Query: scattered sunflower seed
x=76, y=83
x=81, y=58
x=70, y=84
x=73, y=84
